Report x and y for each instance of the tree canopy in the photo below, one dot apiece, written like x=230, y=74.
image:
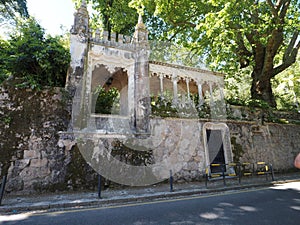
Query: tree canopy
x=260, y=35
x=234, y=34
x=9, y=9
x=112, y=15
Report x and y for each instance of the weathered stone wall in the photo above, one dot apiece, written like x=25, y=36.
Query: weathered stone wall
x=181, y=146
x=275, y=143
x=174, y=144
x=183, y=141
x=39, y=159
x=29, y=149
x=178, y=145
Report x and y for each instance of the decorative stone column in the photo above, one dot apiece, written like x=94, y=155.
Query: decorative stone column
x=187, y=80
x=199, y=83
x=161, y=85
x=78, y=47
x=221, y=102
x=211, y=93
x=175, y=90
x=140, y=120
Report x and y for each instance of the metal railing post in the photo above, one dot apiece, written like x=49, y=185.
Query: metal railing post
x=223, y=173
x=206, y=176
x=171, y=181
x=272, y=172
x=99, y=186
x=240, y=172
x=2, y=187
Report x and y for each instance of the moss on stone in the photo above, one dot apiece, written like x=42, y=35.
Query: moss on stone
x=237, y=150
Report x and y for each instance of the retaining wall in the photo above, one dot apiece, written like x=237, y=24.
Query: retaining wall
x=38, y=159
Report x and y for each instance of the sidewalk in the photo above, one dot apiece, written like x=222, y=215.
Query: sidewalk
x=59, y=201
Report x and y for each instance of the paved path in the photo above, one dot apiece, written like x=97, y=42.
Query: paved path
x=279, y=204
x=54, y=201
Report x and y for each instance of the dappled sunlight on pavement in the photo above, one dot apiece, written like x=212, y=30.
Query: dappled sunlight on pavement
x=292, y=186
x=16, y=217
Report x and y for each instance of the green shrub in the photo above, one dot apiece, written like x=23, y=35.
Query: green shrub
x=35, y=59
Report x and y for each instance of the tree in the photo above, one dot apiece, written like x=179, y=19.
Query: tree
x=261, y=34
x=9, y=9
x=112, y=15
x=287, y=90
x=35, y=59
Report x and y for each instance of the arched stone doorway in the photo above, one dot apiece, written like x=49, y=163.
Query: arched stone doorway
x=217, y=146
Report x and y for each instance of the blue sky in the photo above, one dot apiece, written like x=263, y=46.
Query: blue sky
x=52, y=14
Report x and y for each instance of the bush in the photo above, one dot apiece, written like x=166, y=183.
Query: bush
x=107, y=101
x=34, y=58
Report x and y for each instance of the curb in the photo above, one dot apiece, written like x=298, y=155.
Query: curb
x=101, y=202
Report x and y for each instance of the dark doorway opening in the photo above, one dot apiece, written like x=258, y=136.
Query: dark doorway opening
x=215, y=149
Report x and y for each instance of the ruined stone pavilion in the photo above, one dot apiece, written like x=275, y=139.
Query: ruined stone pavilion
x=121, y=62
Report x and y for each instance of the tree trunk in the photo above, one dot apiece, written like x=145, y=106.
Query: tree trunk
x=261, y=88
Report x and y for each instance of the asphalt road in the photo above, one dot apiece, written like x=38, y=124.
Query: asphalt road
x=277, y=205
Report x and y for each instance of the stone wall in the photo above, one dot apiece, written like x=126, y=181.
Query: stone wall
x=275, y=143
x=30, y=122
x=38, y=159
x=181, y=141
x=179, y=145
x=174, y=144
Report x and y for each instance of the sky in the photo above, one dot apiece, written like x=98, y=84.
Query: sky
x=51, y=14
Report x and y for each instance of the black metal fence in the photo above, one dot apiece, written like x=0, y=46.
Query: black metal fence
x=237, y=170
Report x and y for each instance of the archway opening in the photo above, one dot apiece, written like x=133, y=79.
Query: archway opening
x=110, y=91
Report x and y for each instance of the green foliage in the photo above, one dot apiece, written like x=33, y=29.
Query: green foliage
x=252, y=103
x=204, y=111
x=10, y=9
x=112, y=15
x=6, y=119
x=287, y=89
x=237, y=87
x=262, y=36
x=256, y=103
x=106, y=101
x=4, y=45
x=34, y=59
x=162, y=107
x=169, y=52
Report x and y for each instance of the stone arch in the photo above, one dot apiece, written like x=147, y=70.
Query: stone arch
x=102, y=77
x=217, y=144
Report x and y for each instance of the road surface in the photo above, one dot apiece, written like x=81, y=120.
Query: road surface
x=276, y=205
